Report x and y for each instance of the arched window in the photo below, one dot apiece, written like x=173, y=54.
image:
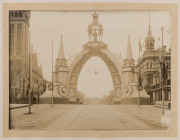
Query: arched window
x=150, y=64
x=20, y=14
x=16, y=14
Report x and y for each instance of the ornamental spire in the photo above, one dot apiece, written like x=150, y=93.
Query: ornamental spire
x=149, y=32
x=61, y=50
x=129, y=51
x=149, y=41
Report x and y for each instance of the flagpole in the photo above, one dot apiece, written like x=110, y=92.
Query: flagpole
x=162, y=74
x=52, y=74
x=30, y=74
x=139, y=78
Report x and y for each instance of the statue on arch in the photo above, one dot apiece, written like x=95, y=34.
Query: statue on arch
x=95, y=35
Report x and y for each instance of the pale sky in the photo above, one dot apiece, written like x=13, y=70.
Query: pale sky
x=47, y=26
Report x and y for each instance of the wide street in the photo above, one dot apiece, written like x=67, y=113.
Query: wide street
x=86, y=117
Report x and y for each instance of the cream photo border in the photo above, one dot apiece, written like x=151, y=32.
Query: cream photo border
x=172, y=132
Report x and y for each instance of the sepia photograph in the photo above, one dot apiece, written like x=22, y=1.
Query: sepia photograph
x=91, y=70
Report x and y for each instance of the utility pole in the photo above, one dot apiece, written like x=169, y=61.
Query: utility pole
x=138, y=82
x=52, y=74
x=162, y=76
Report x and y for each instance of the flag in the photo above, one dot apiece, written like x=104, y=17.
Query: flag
x=140, y=46
x=165, y=70
x=140, y=80
x=140, y=83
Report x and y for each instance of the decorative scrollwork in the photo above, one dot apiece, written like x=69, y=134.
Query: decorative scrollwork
x=62, y=91
x=50, y=86
x=127, y=90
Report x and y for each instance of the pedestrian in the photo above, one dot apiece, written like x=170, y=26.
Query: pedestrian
x=34, y=100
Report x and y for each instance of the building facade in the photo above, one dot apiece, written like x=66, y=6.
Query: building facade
x=149, y=68
x=18, y=54
x=37, y=77
x=19, y=60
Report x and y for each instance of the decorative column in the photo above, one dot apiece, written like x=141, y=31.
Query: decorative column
x=60, y=76
x=130, y=86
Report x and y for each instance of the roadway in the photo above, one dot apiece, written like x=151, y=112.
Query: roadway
x=85, y=117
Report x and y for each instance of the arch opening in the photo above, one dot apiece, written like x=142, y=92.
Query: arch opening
x=79, y=62
x=95, y=79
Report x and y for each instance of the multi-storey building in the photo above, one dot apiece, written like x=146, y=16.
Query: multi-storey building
x=18, y=54
x=19, y=59
x=37, y=77
x=149, y=67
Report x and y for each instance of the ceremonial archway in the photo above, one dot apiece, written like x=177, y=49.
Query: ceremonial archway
x=100, y=50
x=121, y=70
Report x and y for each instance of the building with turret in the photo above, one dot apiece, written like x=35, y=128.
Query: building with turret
x=18, y=54
x=149, y=69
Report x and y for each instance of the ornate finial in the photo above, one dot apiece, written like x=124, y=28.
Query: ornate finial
x=61, y=36
x=95, y=16
x=95, y=29
x=162, y=28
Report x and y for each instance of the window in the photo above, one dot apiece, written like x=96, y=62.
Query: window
x=169, y=65
x=19, y=32
x=20, y=14
x=150, y=64
x=149, y=80
x=11, y=43
x=16, y=14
